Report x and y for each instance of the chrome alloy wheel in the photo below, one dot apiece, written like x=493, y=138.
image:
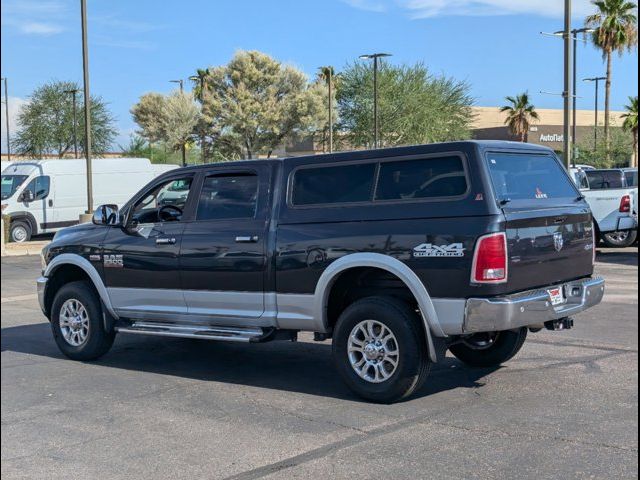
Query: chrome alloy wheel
x=373, y=351
x=19, y=234
x=74, y=322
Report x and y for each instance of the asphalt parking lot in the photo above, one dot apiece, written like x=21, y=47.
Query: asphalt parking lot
x=565, y=407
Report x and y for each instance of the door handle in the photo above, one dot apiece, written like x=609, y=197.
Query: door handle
x=247, y=239
x=165, y=241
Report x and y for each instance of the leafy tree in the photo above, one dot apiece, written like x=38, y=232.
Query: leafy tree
x=169, y=120
x=630, y=124
x=619, y=152
x=413, y=106
x=149, y=114
x=616, y=30
x=255, y=104
x=45, y=124
x=520, y=114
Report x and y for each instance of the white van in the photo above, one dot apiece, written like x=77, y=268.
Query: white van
x=42, y=196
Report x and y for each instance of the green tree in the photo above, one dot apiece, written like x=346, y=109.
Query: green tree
x=413, y=106
x=620, y=149
x=255, y=104
x=45, y=124
x=616, y=30
x=170, y=120
x=327, y=76
x=520, y=114
x=630, y=124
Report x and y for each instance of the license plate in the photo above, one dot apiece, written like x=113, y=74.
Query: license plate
x=556, y=295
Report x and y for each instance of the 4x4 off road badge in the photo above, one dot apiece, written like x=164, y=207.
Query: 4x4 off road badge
x=431, y=250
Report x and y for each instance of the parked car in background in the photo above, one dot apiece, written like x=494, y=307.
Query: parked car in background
x=585, y=167
x=42, y=196
x=613, y=203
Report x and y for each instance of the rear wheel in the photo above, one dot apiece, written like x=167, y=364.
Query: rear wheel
x=379, y=349
x=620, y=239
x=20, y=231
x=489, y=349
x=77, y=322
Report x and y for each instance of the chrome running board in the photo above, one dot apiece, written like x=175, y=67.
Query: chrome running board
x=227, y=334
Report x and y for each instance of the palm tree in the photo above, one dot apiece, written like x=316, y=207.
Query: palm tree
x=616, y=30
x=520, y=115
x=631, y=125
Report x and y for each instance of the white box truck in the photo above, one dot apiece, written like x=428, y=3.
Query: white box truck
x=43, y=196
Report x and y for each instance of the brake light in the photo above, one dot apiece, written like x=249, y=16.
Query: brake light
x=490, y=259
x=625, y=204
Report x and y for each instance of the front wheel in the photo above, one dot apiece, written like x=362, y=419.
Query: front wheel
x=77, y=322
x=489, y=349
x=620, y=239
x=379, y=349
x=20, y=231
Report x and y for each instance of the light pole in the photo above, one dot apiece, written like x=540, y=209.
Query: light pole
x=180, y=82
x=183, y=150
x=200, y=79
x=375, y=57
x=6, y=116
x=596, y=80
x=73, y=93
x=87, y=109
x=574, y=37
x=328, y=73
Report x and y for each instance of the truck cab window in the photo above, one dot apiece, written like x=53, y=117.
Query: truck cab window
x=228, y=196
x=163, y=203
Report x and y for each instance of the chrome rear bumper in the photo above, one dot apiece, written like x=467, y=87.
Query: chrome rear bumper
x=530, y=308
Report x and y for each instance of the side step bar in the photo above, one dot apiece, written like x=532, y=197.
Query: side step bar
x=227, y=334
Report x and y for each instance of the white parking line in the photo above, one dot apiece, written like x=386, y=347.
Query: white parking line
x=19, y=298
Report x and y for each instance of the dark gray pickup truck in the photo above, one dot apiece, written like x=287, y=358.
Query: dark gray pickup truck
x=397, y=255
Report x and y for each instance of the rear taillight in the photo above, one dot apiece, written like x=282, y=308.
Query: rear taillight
x=490, y=259
x=595, y=244
x=625, y=204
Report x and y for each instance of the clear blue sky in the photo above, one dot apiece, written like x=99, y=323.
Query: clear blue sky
x=137, y=46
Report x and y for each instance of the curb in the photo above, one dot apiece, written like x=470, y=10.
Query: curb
x=19, y=249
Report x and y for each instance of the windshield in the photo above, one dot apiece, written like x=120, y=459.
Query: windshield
x=529, y=177
x=10, y=183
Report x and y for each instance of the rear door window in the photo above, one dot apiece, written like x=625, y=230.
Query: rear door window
x=333, y=184
x=415, y=179
x=528, y=177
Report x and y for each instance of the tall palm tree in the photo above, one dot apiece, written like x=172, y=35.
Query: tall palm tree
x=520, y=115
x=616, y=30
x=631, y=125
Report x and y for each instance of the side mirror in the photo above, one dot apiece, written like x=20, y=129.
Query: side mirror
x=27, y=196
x=106, y=215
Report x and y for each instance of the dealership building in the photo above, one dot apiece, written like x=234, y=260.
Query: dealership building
x=488, y=124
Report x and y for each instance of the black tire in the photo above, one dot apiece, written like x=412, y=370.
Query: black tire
x=620, y=239
x=20, y=231
x=97, y=341
x=413, y=363
x=504, y=347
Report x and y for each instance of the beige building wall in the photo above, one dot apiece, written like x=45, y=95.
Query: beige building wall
x=491, y=117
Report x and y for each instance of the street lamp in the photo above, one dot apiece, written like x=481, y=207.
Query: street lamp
x=6, y=111
x=572, y=35
x=182, y=148
x=375, y=57
x=329, y=72
x=87, y=111
x=179, y=82
x=73, y=93
x=596, y=80
x=200, y=80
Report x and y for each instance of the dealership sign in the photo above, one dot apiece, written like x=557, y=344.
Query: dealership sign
x=552, y=137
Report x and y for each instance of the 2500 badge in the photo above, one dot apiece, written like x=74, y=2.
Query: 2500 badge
x=113, y=261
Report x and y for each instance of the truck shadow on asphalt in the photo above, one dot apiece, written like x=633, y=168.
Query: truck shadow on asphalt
x=296, y=367
x=618, y=257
